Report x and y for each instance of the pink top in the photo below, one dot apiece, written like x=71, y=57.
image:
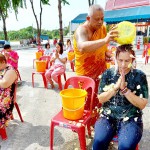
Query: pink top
x=15, y=56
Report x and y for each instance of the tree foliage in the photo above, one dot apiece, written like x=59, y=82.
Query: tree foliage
x=29, y=32
x=7, y=5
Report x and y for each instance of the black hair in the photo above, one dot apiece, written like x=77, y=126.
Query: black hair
x=61, y=47
x=125, y=48
x=47, y=45
x=7, y=46
x=68, y=40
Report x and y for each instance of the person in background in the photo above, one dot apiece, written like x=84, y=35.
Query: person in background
x=48, y=51
x=12, y=56
x=90, y=46
x=68, y=45
x=8, y=79
x=123, y=91
x=55, y=41
x=58, y=67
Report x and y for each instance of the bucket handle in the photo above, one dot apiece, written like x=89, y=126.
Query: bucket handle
x=74, y=109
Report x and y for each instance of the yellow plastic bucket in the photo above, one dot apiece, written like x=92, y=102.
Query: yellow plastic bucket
x=40, y=66
x=73, y=101
x=38, y=55
x=148, y=52
x=71, y=56
x=127, y=32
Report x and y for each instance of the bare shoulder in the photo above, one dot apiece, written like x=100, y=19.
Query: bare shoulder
x=81, y=33
x=81, y=29
x=11, y=73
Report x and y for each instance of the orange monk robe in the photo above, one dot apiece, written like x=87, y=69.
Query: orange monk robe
x=91, y=64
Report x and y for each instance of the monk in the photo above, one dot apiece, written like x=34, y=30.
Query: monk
x=90, y=46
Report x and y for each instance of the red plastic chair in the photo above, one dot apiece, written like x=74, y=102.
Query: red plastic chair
x=58, y=120
x=43, y=76
x=146, y=53
x=3, y=132
x=18, y=74
x=47, y=58
x=115, y=139
x=59, y=80
x=16, y=104
x=59, y=77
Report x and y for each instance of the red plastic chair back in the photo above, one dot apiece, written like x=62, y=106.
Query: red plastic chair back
x=146, y=52
x=16, y=104
x=47, y=58
x=59, y=120
x=82, y=82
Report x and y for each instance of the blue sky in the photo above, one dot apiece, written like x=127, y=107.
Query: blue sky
x=50, y=19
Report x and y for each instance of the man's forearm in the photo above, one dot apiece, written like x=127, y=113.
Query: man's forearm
x=91, y=46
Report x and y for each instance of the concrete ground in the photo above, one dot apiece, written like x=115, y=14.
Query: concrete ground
x=38, y=105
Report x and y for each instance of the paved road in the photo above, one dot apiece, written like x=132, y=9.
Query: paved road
x=39, y=105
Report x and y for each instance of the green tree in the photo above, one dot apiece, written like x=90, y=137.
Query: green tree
x=60, y=17
x=39, y=22
x=5, y=6
x=66, y=30
x=27, y=33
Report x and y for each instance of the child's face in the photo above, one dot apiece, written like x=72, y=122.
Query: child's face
x=48, y=46
x=8, y=50
x=58, y=48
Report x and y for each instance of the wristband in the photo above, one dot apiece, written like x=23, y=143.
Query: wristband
x=124, y=90
x=127, y=92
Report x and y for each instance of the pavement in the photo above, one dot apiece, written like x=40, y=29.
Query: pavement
x=38, y=105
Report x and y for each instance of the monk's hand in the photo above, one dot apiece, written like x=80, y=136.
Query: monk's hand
x=111, y=35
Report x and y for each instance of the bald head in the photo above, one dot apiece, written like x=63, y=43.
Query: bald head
x=94, y=8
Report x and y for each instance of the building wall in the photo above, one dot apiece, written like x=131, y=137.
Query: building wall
x=118, y=4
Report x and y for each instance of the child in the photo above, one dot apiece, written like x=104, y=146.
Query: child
x=11, y=56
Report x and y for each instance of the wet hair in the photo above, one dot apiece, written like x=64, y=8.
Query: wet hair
x=61, y=47
x=47, y=45
x=125, y=48
x=2, y=58
x=94, y=8
x=7, y=46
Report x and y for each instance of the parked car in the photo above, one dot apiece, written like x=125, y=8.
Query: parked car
x=2, y=42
